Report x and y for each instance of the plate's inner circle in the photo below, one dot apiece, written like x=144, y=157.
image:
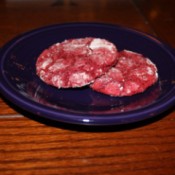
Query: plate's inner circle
x=86, y=100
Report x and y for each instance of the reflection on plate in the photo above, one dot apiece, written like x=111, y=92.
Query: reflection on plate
x=94, y=103
x=82, y=105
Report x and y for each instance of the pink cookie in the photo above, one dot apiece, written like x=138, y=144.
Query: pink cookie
x=76, y=62
x=131, y=75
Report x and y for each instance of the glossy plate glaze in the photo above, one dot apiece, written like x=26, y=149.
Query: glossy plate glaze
x=21, y=85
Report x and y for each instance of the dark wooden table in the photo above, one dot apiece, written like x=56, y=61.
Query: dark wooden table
x=33, y=146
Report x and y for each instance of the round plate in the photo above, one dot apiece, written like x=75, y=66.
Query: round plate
x=21, y=85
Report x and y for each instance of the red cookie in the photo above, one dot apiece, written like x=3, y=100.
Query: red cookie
x=131, y=75
x=76, y=62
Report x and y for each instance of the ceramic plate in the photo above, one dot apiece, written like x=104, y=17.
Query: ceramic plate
x=21, y=85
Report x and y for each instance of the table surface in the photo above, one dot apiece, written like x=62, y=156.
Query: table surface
x=31, y=145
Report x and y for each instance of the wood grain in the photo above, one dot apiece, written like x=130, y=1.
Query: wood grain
x=5, y=109
x=32, y=145
x=160, y=16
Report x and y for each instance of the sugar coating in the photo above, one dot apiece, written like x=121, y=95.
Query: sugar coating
x=131, y=75
x=76, y=62
x=98, y=43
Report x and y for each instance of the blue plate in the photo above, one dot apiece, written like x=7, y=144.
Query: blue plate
x=20, y=84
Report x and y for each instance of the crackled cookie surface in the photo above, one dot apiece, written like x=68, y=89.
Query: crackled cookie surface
x=76, y=62
x=131, y=75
